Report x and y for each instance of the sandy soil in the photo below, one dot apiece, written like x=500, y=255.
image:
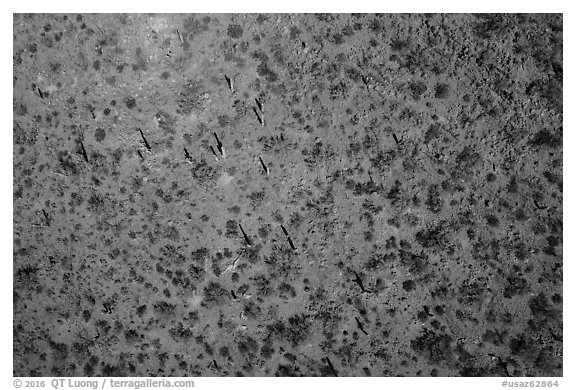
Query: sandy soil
x=414, y=161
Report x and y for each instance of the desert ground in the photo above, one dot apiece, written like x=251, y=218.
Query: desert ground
x=287, y=195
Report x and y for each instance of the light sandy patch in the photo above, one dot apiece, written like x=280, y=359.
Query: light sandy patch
x=225, y=179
